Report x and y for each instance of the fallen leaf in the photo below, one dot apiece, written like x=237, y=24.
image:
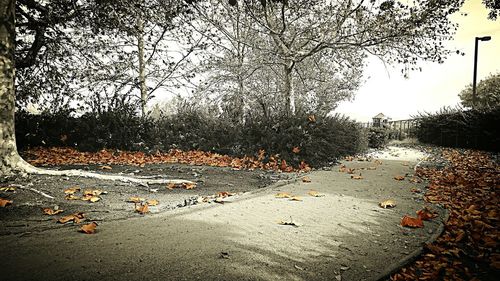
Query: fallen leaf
x=5, y=202
x=387, y=204
x=296, y=150
x=224, y=255
x=91, y=198
x=311, y=118
x=8, y=189
x=152, y=202
x=350, y=170
x=290, y=223
x=88, y=228
x=349, y=158
x=295, y=198
x=283, y=195
x=415, y=180
x=142, y=209
x=314, y=193
x=356, y=177
x=298, y=267
x=306, y=179
x=71, y=197
x=171, y=186
x=51, y=212
x=188, y=185
x=371, y=168
x=399, y=178
x=93, y=192
x=411, y=222
x=224, y=194
x=72, y=190
x=219, y=200
x=415, y=190
x=75, y=218
x=105, y=168
x=135, y=199
x=426, y=214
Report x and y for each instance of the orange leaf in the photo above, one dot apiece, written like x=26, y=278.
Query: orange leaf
x=71, y=197
x=188, y=185
x=136, y=199
x=5, y=202
x=224, y=194
x=171, y=186
x=356, y=177
x=399, y=178
x=306, y=179
x=296, y=150
x=88, y=228
x=105, y=168
x=295, y=198
x=411, y=222
x=50, y=212
x=283, y=195
x=72, y=190
x=311, y=118
x=152, y=202
x=425, y=214
x=142, y=209
x=314, y=193
x=76, y=218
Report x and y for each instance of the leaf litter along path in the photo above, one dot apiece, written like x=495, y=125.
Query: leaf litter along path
x=331, y=227
x=468, y=249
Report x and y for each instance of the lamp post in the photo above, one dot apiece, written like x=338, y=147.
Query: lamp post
x=474, y=94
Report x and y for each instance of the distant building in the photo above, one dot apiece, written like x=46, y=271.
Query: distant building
x=380, y=120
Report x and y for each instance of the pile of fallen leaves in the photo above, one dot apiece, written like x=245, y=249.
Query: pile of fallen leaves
x=70, y=156
x=468, y=248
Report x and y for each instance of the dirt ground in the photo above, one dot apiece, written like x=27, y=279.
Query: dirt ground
x=25, y=215
x=342, y=235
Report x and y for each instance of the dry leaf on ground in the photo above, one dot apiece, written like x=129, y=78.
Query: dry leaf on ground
x=311, y=118
x=306, y=179
x=290, y=223
x=387, y=204
x=356, y=177
x=371, y=168
x=426, y=214
x=314, y=193
x=94, y=192
x=399, y=178
x=71, y=197
x=51, y=212
x=5, y=202
x=91, y=198
x=224, y=194
x=105, y=168
x=152, y=202
x=142, y=209
x=283, y=195
x=411, y=222
x=7, y=189
x=88, y=228
x=76, y=218
x=72, y=190
x=295, y=198
x=296, y=150
x=135, y=199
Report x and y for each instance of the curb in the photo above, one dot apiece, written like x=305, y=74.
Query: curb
x=395, y=267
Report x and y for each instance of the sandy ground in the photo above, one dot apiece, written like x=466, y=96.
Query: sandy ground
x=342, y=235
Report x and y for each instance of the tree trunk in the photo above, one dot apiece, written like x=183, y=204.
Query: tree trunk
x=142, y=66
x=10, y=161
x=288, y=90
x=9, y=158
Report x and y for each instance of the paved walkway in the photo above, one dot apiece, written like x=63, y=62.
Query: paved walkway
x=342, y=235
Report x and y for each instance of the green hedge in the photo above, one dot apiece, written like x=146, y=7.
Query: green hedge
x=474, y=128
x=320, y=141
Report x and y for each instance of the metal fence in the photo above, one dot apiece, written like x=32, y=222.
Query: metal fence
x=400, y=129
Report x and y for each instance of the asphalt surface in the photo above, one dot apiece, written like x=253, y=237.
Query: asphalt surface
x=341, y=235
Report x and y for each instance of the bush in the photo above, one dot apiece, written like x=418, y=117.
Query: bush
x=378, y=136
x=475, y=128
x=320, y=141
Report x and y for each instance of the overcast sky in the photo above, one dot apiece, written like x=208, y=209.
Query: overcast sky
x=437, y=85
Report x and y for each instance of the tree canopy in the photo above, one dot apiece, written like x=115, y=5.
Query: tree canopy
x=487, y=90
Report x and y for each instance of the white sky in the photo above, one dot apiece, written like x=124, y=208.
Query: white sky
x=438, y=85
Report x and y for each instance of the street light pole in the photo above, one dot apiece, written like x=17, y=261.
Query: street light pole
x=474, y=94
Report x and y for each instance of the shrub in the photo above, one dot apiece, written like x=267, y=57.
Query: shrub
x=475, y=128
x=378, y=136
x=320, y=141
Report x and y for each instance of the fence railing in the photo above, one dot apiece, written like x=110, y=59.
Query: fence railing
x=400, y=128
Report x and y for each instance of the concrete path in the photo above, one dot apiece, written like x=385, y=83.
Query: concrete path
x=342, y=235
